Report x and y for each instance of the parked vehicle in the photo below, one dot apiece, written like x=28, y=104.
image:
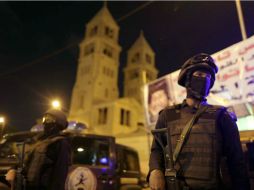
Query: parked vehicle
x=99, y=163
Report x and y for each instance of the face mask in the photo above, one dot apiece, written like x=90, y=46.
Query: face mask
x=51, y=129
x=48, y=127
x=199, y=87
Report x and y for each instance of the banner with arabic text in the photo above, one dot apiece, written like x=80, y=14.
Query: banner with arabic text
x=234, y=83
x=235, y=80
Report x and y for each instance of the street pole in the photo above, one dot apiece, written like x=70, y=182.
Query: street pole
x=241, y=19
x=244, y=35
x=148, y=132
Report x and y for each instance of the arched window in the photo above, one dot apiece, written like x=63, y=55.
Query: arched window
x=109, y=32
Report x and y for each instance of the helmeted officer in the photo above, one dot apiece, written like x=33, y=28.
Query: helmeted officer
x=46, y=167
x=215, y=135
x=51, y=171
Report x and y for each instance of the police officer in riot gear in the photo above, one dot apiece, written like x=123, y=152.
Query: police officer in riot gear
x=213, y=136
x=46, y=167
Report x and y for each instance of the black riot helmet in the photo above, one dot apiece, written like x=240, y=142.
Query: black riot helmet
x=55, y=118
x=200, y=61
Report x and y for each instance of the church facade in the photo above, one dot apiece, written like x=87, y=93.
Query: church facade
x=95, y=97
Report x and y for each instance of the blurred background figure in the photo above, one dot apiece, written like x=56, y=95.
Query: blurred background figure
x=46, y=166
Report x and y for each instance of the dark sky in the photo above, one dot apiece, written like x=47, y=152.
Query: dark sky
x=39, y=44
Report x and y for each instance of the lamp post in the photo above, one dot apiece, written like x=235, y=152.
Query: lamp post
x=2, y=125
x=241, y=19
x=56, y=104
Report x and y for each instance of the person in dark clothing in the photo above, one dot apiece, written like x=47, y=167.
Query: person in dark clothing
x=46, y=166
x=212, y=138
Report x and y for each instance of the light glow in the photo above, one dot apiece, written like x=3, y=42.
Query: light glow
x=2, y=120
x=80, y=149
x=56, y=104
x=104, y=160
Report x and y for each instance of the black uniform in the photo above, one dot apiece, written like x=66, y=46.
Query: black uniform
x=198, y=159
x=47, y=165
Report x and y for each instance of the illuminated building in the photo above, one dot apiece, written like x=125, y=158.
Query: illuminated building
x=95, y=97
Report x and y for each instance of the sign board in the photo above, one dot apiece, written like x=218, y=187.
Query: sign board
x=234, y=83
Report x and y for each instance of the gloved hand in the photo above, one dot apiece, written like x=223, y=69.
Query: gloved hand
x=10, y=176
x=157, y=180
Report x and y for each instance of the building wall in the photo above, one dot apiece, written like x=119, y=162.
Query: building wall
x=118, y=117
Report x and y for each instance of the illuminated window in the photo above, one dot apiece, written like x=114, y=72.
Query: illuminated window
x=134, y=75
x=148, y=58
x=135, y=58
x=102, y=115
x=108, y=72
x=108, y=51
x=109, y=32
x=125, y=117
x=122, y=117
x=89, y=49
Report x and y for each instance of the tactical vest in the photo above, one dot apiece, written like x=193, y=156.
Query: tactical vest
x=198, y=162
x=38, y=160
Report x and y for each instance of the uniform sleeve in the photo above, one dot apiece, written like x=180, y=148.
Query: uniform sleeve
x=232, y=149
x=61, y=166
x=156, y=160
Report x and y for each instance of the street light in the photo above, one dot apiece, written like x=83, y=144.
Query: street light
x=2, y=124
x=56, y=104
x=2, y=120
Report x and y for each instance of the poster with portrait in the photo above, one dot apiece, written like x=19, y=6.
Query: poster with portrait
x=157, y=97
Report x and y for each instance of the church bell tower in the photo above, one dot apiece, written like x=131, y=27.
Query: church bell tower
x=97, y=74
x=140, y=68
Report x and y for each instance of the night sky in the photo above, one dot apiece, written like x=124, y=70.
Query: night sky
x=39, y=44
